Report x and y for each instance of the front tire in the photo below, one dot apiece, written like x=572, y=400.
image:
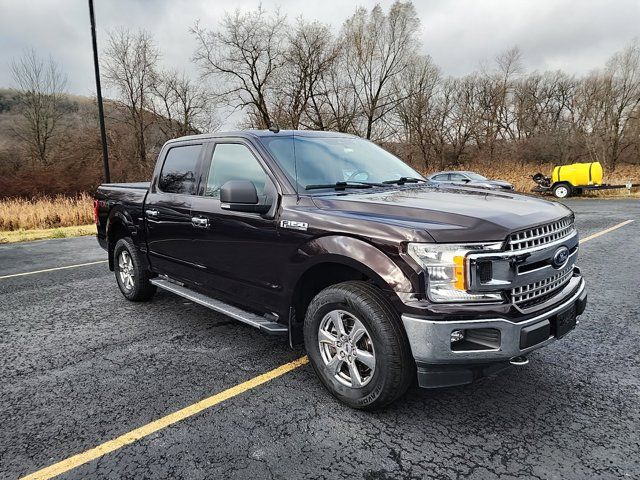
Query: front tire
x=131, y=274
x=357, y=345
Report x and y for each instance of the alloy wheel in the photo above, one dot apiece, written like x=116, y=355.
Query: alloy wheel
x=346, y=349
x=125, y=270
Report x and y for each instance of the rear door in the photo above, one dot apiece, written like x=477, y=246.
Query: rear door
x=167, y=211
x=240, y=252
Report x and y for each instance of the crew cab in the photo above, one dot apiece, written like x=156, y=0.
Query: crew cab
x=331, y=241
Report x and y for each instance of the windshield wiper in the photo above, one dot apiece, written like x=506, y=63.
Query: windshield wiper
x=403, y=180
x=343, y=185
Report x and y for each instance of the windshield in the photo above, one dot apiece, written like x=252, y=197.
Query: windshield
x=475, y=176
x=329, y=160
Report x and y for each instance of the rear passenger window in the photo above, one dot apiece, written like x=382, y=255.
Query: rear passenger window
x=233, y=161
x=178, y=173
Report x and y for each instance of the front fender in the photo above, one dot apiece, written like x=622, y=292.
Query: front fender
x=355, y=253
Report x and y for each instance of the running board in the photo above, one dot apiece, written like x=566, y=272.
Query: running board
x=249, y=318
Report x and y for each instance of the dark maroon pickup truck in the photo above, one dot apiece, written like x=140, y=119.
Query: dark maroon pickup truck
x=332, y=241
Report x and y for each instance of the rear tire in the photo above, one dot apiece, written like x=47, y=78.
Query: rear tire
x=131, y=274
x=357, y=345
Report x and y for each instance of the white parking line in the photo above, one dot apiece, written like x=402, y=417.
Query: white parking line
x=52, y=269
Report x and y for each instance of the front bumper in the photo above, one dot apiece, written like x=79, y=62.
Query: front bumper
x=441, y=363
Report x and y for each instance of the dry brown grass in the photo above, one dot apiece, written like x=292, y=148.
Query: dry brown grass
x=60, y=232
x=45, y=212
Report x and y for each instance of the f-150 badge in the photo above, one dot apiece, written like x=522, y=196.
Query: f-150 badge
x=293, y=225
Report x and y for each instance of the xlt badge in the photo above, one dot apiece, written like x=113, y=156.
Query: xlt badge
x=293, y=225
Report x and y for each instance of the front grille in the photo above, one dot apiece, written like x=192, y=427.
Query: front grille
x=536, y=292
x=541, y=235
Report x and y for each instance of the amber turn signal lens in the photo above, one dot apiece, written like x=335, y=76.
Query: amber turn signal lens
x=459, y=272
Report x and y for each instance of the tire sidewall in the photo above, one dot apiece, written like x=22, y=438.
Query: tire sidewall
x=333, y=300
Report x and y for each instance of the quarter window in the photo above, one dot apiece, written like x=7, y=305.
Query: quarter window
x=233, y=161
x=178, y=173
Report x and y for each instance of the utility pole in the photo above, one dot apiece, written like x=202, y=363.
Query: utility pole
x=96, y=65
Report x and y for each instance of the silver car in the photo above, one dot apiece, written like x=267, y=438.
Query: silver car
x=471, y=179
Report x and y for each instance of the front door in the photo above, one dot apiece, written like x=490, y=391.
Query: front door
x=240, y=251
x=167, y=212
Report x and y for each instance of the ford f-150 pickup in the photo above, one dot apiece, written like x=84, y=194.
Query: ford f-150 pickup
x=332, y=241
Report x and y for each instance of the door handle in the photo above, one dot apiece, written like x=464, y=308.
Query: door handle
x=200, y=222
x=152, y=213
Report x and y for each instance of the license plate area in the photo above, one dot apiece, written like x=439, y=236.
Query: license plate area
x=563, y=322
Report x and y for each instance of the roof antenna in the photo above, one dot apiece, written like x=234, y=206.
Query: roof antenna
x=273, y=127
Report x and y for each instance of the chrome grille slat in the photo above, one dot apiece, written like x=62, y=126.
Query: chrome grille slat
x=527, y=293
x=541, y=235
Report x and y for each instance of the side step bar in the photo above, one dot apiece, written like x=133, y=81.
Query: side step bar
x=249, y=318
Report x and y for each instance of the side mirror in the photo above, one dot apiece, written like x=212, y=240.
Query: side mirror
x=466, y=180
x=241, y=196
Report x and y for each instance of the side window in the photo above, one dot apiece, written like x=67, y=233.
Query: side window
x=457, y=177
x=233, y=161
x=443, y=177
x=178, y=173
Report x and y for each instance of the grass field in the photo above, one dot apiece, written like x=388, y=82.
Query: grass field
x=41, y=234
x=45, y=212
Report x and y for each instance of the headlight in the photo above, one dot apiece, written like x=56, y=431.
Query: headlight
x=447, y=270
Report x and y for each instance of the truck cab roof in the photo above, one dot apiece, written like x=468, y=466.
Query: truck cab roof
x=249, y=134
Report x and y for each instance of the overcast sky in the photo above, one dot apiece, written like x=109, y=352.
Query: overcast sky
x=576, y=36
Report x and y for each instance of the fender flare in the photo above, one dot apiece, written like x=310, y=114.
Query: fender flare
x=118, y=217
x=355, y=253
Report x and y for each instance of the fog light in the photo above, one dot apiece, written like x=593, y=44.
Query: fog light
x=457, y=335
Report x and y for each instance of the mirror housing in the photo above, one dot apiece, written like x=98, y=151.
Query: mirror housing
x=241, y=196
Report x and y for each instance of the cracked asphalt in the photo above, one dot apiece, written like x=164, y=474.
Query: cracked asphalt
x=81, y=365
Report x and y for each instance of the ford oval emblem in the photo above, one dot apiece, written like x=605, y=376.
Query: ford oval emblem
x=560, y=257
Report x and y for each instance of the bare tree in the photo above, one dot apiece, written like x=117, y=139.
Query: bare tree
x=130, y=64
x=184, y=107
x=417, y=91
x=41, y=85
x=244, y=55
x=623, y=99
x=310, y=54
x=379, y=48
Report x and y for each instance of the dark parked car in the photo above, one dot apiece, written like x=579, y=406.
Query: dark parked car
x=469, y=178
x=332, y=241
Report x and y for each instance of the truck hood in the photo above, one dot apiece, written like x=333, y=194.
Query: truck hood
x=448, y=213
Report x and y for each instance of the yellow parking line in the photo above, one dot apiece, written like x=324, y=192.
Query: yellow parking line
x=164, y=422
x=611, y=229
x=52, y=269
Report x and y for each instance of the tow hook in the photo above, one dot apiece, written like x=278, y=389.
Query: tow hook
x=519, y=361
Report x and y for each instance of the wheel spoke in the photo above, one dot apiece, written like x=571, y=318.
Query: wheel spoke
x=334, y=365
x=356, y=380
x=366, y=358
x=357, y=331
x=336, y=318
x=326, y=337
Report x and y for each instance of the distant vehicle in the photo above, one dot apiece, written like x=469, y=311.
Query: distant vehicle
x=333, y=241
x=568, y=180
x=471, y=179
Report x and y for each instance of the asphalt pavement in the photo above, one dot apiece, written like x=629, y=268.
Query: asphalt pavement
x=81, y=365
